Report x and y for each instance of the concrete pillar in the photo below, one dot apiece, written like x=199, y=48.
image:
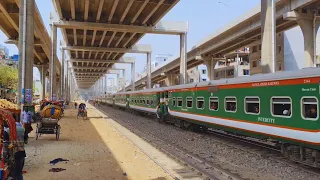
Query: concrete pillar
x=309, y=29
x=124, y=81
x=133, y=76
x=26, y=56
x=117, y=86
x=171, y=79
x=53, y=88
x=62, y=90
x=210, y=63
x=183, y=58
x=20, y=47
x=106, y=83
x=148, y=70
x=67, y=83
x=100, y=87
x=268, y=35
x=43, y=72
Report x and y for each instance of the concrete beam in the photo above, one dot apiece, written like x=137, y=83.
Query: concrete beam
x=135, y=49
x=90, y=67
x=127, y=60
x=37, y=42
x=89, y=73
x=169, y=28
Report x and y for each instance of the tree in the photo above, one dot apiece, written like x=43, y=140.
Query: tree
x=9, y=77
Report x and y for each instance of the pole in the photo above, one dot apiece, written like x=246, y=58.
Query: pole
x=148, y=70
x=53, y=64
x=62, y=76
x=183, y=58
x=133, y=76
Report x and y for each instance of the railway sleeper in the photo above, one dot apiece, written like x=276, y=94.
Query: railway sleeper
x=306, y=156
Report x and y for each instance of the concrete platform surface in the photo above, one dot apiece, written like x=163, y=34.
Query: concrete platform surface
x=95, y=150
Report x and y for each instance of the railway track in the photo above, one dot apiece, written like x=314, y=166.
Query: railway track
x=210, y=169
x=202, y=168
x=273, y=150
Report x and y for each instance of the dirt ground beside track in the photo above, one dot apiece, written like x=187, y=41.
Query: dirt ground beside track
x=95, y=150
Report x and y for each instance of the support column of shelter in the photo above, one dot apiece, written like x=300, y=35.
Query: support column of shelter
x=106, y=84
x=124, y=80
x=183, y=58
x=148, y=70
x=67, y=83
x=43, y=72
x=62, y=90
x=268, y=36
x=53, y=89
x=26, y=46
x=102, y=87
x=133, y=76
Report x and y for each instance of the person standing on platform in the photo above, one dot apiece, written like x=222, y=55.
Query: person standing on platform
x=26, y=120
x=20, y=153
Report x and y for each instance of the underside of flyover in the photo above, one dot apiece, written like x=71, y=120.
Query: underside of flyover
x=135, y=13
x=9, y=25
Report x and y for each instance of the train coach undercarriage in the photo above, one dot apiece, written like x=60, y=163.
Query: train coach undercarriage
x=307, y=156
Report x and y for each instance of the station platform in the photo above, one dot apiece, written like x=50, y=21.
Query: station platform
x=94, y=148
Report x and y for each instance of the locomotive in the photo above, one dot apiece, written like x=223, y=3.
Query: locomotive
x=282, y=107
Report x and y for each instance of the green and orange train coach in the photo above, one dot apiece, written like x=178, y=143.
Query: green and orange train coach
x=282, y=107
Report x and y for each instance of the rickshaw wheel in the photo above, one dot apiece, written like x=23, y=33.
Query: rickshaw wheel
x=58, y=132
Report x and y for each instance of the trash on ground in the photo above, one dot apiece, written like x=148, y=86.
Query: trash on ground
x=55, y=161
x=56, y=169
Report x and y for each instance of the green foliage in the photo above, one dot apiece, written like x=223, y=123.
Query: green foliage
x=9, y=77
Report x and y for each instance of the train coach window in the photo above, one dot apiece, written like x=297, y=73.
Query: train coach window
x=189, y=101
x=151, y=102
x=310, y=108
x=230, y=104
x=281, y=106
x=200, y=103
x=214, y=104
x=179, y=102
x=174, y=102
x=148, y=101
x=252, y=105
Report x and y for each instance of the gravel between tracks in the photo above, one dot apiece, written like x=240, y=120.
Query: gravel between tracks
x=248, y=162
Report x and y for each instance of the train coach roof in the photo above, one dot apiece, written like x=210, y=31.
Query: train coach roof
x=180, y=86
x=306, y=72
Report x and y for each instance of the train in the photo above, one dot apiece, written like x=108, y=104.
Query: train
x=281, y=107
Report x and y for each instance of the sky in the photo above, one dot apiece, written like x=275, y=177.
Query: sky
x=204, y=18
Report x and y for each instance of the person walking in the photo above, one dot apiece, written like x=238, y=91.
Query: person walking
x=75, y=105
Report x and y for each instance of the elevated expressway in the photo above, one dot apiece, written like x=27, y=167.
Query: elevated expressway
x=99, y=32
x=240, y=33
x=9, y=25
